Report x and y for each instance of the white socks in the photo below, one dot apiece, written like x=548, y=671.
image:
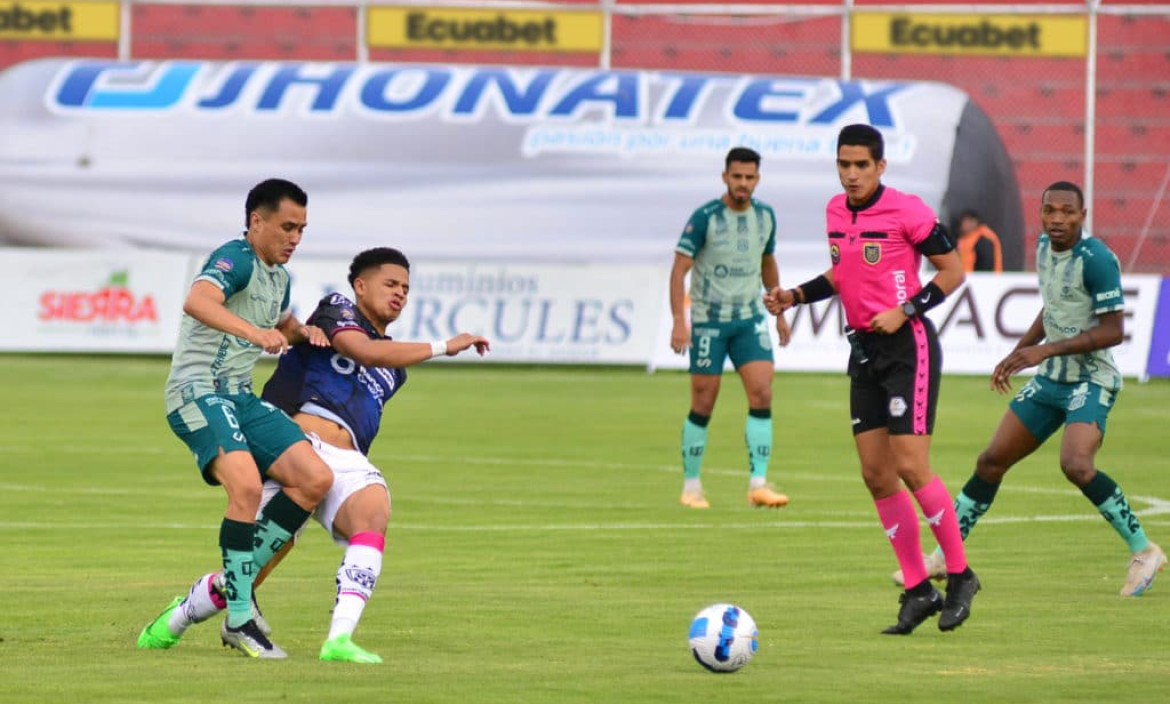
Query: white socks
x=356, y=578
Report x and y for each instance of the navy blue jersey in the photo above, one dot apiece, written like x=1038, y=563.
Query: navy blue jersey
x=324, y=377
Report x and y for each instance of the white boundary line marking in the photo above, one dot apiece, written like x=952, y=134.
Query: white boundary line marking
x=555, y=527
x=1156, y=506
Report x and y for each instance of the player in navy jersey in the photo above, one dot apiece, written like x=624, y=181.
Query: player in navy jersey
x=336, y=395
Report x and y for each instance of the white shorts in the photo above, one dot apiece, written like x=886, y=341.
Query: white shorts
x=352, y=472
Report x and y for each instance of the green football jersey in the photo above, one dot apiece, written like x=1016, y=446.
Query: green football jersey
x=1078, y=285
x=207, y=360
x=727, y=246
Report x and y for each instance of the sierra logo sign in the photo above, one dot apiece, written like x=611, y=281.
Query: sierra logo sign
x=114, y=302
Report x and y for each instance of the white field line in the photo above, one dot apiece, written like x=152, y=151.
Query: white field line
x=1155, y=506
x=584, y=527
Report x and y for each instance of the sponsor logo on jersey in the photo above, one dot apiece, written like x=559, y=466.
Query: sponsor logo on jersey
x=872, y=252
x=224, y=264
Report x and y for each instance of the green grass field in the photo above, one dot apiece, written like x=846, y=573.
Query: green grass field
x=537, y=552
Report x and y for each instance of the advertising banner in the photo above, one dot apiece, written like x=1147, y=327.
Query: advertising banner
x=92, y=301
x=1006, y=35
x=531, y=312
x=59, y=21
x=978, y=326
x=495, y=29
x=1159, y=364
x=454, y=162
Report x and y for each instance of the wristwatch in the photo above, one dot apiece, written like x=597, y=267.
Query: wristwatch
x=909, y=309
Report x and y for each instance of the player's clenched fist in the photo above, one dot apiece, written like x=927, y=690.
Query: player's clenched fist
x=271, y=341
x=779, y=300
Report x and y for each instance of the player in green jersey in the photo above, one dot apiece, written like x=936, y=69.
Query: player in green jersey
x=1075, y=385
x=728, y=246
x=237, y=308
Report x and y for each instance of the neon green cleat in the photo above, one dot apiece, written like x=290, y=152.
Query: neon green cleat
x=157, y=634
x=343, y=649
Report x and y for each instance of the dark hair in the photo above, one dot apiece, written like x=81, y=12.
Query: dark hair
x=1066, y=186
x=862, y=136
x=268, y=194
x=374, y=258
x=968, y=213
x=749, y=156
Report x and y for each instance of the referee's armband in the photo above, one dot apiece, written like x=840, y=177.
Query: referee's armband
x=817, y=289
x=937, y=242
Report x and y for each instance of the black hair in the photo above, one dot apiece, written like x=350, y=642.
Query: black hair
x=268, y=194
x=374, y=258
x=1066, y=186
x=749, y=156
x=968, y=213
x=861, y=135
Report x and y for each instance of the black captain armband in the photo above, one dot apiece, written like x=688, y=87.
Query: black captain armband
x=929, y=297
x=817, y=289
x=937, y=242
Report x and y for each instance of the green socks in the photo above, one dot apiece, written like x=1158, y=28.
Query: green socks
x=235, y=542
x=1110, y=501
x=977, y=495
x=694, y=443
x=758, y=436
x=972, y=502
x=278, y=522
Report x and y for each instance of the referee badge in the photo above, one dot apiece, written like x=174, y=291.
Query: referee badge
x=872, y=251
x=835, y=253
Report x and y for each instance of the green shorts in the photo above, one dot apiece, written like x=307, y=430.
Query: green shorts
x=742, y=340
x=234, y=422
x=1043, y=405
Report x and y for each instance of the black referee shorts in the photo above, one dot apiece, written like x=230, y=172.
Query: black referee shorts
x=897, y=388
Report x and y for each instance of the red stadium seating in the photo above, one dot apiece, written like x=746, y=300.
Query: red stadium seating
x=1037, y=104
x=757, y=44
x=15, y=52
x=248, y=32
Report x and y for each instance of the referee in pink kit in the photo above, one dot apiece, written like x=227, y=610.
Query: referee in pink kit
x=877, y=238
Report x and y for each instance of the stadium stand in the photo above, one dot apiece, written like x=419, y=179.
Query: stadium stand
x=250, y=32
x=1037, y=104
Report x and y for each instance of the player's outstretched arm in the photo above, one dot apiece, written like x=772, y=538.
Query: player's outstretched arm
x=205, y=303
x=394, y=354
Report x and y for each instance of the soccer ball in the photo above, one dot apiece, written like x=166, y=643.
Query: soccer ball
x=723, y=638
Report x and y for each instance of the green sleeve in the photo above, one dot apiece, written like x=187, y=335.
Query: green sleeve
x=229, y=268
x=694, y=235
x=286, y=302
x=770, y=246
x=1103, y=281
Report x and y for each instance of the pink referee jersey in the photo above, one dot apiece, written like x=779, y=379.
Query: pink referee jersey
x=872, y=246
